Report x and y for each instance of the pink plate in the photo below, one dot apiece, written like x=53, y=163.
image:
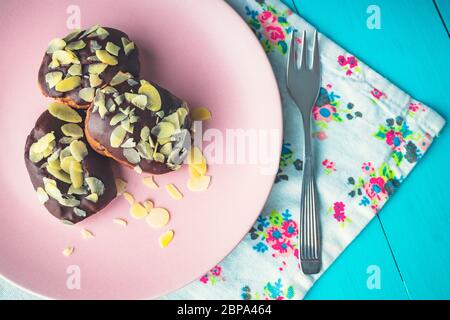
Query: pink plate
x=204, y=52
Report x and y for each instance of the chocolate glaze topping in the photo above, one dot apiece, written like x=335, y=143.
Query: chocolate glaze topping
x=99, y=130
x=93, y=165
x=126, y=63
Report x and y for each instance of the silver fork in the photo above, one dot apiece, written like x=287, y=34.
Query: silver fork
x=303, y=84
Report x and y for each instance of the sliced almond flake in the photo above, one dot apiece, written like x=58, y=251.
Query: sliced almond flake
x=80, y=212
x=93, y=197
x=42, y=195
x=112, y=48
x=72, y=35
x=200, y=114
x=76, y=45
x=129, y=143
x=72, y=130
x=198, y=184
x=150, y=182
x=74, y=70
x=68, y=251
x=102, y=33
x=66, y=161
x=79, y=150
x=89, y=31
x=138, y=169
x=64, y=57
x=140, y=101
x=117, y=136
x=87, y=94
x=153, y=96
x=158, y=217
x=55, y=45
x=138, y=211
x=166, y=238
x=53, y=78
x=63, y=112
x=148, y=205
x=76, y=174
x=87, y=234
x=119, y=78
x=60, y=175
x=119, y=117
x=95, y=185
x=121, y=186
x=131, y=155
x=97, y=68
x=129, y=197
x=128, y=48
x=174, y=192
x=94, y=80
x=105, y=57
x=120, y=221
x=68, y=84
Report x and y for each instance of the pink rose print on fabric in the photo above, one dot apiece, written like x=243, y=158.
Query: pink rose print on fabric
x=271, y=26
x=338, y=213
x=328, y=166
x=375, y=186
x=349, y=64
x=277, y=234
x=213, y=276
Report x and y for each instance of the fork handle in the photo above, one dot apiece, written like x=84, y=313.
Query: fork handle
x=310, y=239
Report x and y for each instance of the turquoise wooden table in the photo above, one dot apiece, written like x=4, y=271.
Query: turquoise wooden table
x=409, y=242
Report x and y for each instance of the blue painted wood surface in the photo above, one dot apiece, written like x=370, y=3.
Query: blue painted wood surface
x=410, y=239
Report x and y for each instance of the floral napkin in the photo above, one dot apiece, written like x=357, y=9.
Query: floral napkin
x=368, y=136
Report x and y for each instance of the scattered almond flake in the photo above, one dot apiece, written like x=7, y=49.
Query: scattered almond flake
x=158, y=217
x=55, y=45
x=112, y=48
x=72, y=130
x=75, y=70
x=68, y=84
x=76, y=45
x=117, y=137
x=120, y=221
x=79, y=150
x=86, y=234
x=138, y=169
x=63, y=112
x=198, y=184
x=120, y=77
x=166, y=238
x=87, y=94
x=106, y=58
x=174, y=192
x=153, y=96
x=200, y=114
x=53, y=78
x=121, y=186
x=42, y=195
x=129, y=197
x=68, y=251
x=150, y=182
x=97, y=68
x=138, y=211
x=148, y=205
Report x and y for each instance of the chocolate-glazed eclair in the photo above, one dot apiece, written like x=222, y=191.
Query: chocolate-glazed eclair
x=74, y=66
x=140, y=125
x=72, y=181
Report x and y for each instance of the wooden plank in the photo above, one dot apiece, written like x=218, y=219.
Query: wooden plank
x=412, y=50
x=347, y=277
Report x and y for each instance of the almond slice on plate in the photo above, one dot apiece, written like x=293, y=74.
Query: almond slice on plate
x=198, y=184
x=158, y=217
x=174, y=192
x=150, y=182
x=166, y=238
